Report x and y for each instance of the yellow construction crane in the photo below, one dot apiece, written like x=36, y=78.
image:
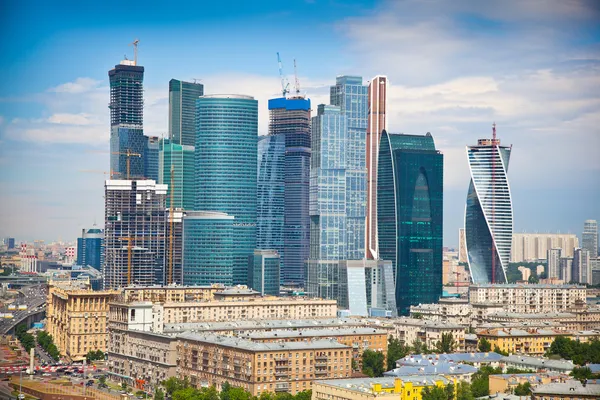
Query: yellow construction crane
x=94, y=171
x=130, y=248
x=129, y=154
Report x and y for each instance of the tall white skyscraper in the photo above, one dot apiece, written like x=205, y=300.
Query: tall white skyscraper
x=554, y=263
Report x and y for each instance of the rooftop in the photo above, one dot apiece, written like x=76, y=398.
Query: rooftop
x=314, y=333
x=445, y=368
x=536, y=362
x=244, y=344
x=436, y=359
x=366, y=384
x=570, y=388
x=524, y=286
x=264, y=324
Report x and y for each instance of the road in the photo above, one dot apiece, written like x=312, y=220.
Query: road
x=35, y=299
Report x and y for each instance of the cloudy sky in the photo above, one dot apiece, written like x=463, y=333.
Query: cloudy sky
x=455, y=67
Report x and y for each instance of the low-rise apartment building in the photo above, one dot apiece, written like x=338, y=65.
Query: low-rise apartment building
x=77, y=319
x=386, y=388
x=572, y=390
x=206, y=359
x=508, y=382
x=409, y=330
x=452, y=310
x=538, y=364
x=172, y=293
x=476, y=359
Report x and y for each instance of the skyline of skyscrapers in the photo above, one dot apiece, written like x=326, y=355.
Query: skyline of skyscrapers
x=488, y=211
x=226, y=168
x=410, y=216
x=182, y=111
x=127, y=120
x=377, y=122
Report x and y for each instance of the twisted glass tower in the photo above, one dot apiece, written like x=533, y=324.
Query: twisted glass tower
x=488, y=212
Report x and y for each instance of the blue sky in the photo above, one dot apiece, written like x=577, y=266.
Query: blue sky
x=454, y=67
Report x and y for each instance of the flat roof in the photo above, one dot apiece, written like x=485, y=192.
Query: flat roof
x=314, y=333
x=263, y=324
x=433, y=359
x=538, y=362
x=570, y=388
x=445, y=368
x=365, y=385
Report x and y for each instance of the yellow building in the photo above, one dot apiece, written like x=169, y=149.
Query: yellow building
x=386, y=388
x=206, y=359
x=506, y=383
x=175, y=294
x=531, y=341
x=77, y=319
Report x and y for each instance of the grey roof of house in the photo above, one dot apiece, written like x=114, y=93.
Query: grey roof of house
x=263, y=324
x=536, y=362
x=570, y=388
x=427, y=359
x=441, y=368
x=313, y=333
x=365, y=384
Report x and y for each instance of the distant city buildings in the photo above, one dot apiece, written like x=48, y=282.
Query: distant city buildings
x=126, y=120
x=90, y=250
x=226, y=165
x=531, y=247
x=182, y=111
x=410, y=215
x=589, y=242
x=135, y=232
x=462, y=246
x=9, y=243
x=488, y=212
x=28, y=259
x=582, y=267
x=554, y=257
x=376, y=124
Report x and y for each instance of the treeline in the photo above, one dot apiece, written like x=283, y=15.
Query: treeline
x=46, y=342
x=398, y=350
x=579, y=353
x=27, y=340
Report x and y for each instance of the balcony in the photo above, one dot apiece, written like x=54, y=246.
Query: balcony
x=282, y=387
x=321, y=357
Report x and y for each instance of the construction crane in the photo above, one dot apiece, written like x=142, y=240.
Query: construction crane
x=129, y=239
x=135, y=48
x=297, y=81
x=94, y=171
x=171, y=209
x=284, y=86
x=129, y=154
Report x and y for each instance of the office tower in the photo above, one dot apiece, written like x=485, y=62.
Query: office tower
x=89, y=248
x=554, y=256
x=534, y=246
x=181, y=158
x=582, y=266
x=589, y=238
x=9, y=243
x=377, y=122
x=135, y=227
x=270, y=194
x=351, y=96
x=209, y=248
x=151, y=150
x=226, y=164
x=462, y=246
x=126, y=119
x=566, y=269
x=290, y=117
x=488, y=213
x=263, y=272
x=410, y=216
x=182, y=111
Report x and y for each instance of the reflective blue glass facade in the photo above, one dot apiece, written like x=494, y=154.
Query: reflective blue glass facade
x=488, y=212
x=264, y=272
x=89, y=248
x=126, y=119
x=181, y=158
x=290, y=117
x=151, y=150
x=270, y=193
x=226, y=165
x=208, y=248
x=182, y=111
x=410, y=216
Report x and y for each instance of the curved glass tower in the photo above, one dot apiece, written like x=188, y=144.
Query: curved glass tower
x=226, y=163
x=488, y=212
x=410, y=185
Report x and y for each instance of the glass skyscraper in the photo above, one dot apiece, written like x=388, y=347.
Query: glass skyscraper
x=290, y=121
x=181, y=157
x=208, y=248
x=151, y=149
x=410, y=216
x=270, y=193
x=126, y=119
x=89, y=248
x=182, y=111
x=488, y=212
x=263, y=272
x=226, y=165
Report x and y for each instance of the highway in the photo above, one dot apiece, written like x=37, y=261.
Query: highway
x=35, y=299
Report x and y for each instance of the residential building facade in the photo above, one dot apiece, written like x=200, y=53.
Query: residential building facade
x=528, y=247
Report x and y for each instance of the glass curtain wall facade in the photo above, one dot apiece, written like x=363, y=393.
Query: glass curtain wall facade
x=89, y=248
x=182, y=111
x=226, y=165
x=410, y=216
x=126, y=119
x=270, y=193
x=290, y=117
x=208, y=248
x=181, y=157
x=151, y=150
x=488, y=212
x=264, y=271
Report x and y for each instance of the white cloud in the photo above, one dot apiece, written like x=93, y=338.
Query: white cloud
x=80, y=85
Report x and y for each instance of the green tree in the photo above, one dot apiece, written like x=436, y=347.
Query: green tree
x=523, y=389
x=497, y=350
x=159, y=394
x=533, y=278
x=417, y=315
x=463, y=392
x=436, y=393
x=187, y=393
x=303, y=395
x=237, y=393
x=396, y=351
x=173, y=384
x=419, y=347
x=372, y=363
x=581, y=373
x=123, y=386
x=480, y=387
x=446, y=344
x=484, y=345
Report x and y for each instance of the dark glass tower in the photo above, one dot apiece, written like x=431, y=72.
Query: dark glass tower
x=410, y=215
x=290, y=118
x=226, y=153
x=151, y=150
x=126, y=119
x=89, y=248
x=182, y=111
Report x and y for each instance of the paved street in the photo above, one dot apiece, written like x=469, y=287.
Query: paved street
x=32, y=296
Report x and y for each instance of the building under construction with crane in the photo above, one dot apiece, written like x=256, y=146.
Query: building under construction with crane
x=126, y=118
x=289, y=123
x=136, y=229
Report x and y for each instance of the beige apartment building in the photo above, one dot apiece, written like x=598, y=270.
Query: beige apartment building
x=528, y=298
x=291, y=367
x=409, y=330
x=174, y=294
x=535, y=246
x=77, y=319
